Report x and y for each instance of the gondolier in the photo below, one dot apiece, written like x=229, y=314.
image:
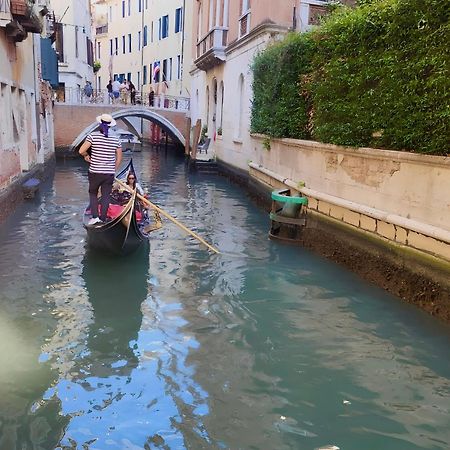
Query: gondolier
x=104, y=159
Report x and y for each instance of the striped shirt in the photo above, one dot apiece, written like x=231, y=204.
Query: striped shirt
x=103, y=152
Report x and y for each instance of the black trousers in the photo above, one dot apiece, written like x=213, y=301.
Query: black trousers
x=105, y=182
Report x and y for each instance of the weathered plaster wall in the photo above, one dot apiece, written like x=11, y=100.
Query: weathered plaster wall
x=409, y=185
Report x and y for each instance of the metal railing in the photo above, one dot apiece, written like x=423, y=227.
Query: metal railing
x=77, y=96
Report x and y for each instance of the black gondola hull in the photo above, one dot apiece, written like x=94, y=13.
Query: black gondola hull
x=117, y=236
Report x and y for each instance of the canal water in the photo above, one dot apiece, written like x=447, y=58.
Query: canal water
x=264, y=346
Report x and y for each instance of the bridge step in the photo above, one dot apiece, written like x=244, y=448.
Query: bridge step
x=206, y=167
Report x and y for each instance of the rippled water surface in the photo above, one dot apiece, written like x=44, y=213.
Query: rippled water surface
x=261, y=347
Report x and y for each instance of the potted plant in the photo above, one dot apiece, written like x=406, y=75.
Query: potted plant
x=97, y=66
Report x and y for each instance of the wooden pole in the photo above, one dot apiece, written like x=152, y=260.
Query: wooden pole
x=168, y=216
x=187, y=145
x=197, y=130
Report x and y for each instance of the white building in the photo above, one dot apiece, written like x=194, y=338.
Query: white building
x=74, y=47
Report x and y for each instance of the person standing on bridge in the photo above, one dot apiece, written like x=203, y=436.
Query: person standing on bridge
x=115, y=85
x=104, y=159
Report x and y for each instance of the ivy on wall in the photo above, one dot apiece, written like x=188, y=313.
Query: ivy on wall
x=377, y=75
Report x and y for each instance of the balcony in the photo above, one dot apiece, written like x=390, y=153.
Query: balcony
x=26, y=13
x=211, y=49
x=103, y=29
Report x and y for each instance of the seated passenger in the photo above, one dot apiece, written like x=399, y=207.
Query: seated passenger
x=131, y=181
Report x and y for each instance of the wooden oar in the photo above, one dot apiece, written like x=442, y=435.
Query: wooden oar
x=161, y=211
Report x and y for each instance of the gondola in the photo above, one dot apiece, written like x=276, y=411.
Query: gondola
x=125, y=231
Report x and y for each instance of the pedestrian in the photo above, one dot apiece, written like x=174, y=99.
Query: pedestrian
x=104, y=159
x=88, y=91
x=110, y=90
x=151, y=98
x=124, y=92
x=132, y=89
x=115, y=89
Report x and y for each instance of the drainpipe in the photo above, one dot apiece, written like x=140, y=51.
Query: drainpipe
x=182, y=47
x=37, y=100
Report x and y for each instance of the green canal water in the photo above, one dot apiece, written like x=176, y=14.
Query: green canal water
x=264, y=346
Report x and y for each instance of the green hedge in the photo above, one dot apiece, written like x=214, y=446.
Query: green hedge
x=380, y=69
x=278, y=108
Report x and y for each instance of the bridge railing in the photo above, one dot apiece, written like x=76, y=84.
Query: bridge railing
x=76, y=96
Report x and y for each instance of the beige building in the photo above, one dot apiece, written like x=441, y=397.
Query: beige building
x=26, y=125
x=145, y=42
x=228, y=34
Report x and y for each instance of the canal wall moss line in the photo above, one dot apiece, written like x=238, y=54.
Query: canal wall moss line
x=406, y=257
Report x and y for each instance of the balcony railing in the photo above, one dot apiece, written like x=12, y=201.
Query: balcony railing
x=101, y=30
x=76, y=96
x=211, y=49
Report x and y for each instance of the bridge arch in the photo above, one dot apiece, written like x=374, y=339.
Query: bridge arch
x=148, y=114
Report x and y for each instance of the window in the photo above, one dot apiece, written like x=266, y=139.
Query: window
x=129, y=43
x=169, y=73
x=98, y=50
x=138, y=79
x=76, y=42
x=164, y=70
x=123, y=8
x=179, y=67
x=139, y=5
x=222, y=93
x=163, y=27
x=245, y=6
x=151, y=32
x=240, y=105
x=145, y=36
x=110, y=18
x=116, y=42
x=144, y=75
x=129, y=76
x=178, y=19
x=111, y=51
x=123, y=44
x=139, y=40
x=129, y=7
x=156, y=76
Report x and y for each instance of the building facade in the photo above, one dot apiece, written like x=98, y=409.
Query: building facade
x=26, y=127
x=144, y=41
x=227, y=35
x=74, y=46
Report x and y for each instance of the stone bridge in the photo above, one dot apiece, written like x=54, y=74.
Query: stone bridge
x=74, y=121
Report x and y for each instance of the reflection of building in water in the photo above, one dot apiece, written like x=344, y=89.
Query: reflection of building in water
x=196, y=301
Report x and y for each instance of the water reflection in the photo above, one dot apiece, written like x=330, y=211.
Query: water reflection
x=255, y=348
x=91, y=395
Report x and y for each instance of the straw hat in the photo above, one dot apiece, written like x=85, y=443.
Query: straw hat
x=106, y=118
